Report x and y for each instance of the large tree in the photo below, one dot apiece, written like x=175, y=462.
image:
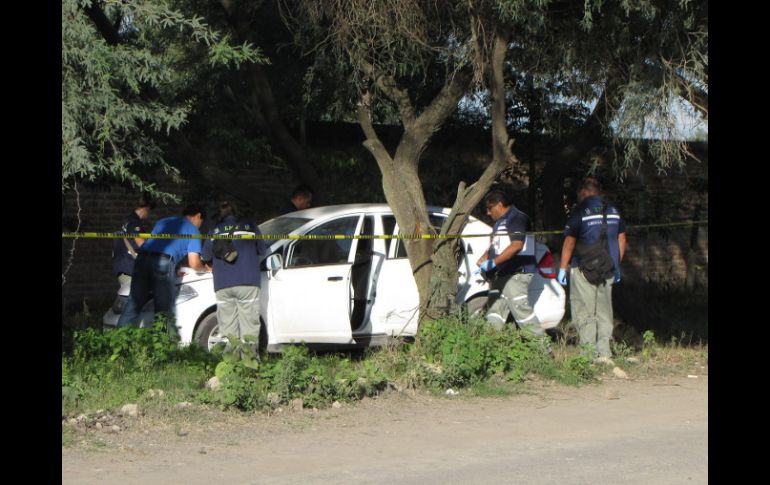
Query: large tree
x=420, y=58
x=417, y=60
x=120, y=79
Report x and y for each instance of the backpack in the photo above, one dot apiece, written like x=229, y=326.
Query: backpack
x=595, y=261
x=224, y=249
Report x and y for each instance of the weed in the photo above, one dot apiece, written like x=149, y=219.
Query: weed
x=109, y=369
x=649, y=344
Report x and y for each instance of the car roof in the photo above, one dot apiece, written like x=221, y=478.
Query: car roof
x=332, y=210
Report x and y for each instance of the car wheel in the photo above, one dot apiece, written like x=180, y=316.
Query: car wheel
x=207, y=333
x=475, y=306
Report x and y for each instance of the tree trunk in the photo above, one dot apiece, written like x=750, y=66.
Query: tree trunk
x=433, y=261
x=443, y=284
x=403, y=192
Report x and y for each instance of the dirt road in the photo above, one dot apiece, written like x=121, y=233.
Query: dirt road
x=619, y=431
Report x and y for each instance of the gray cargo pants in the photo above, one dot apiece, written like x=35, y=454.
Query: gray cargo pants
x=591, y=308
x=238, y=311
x=511, y=294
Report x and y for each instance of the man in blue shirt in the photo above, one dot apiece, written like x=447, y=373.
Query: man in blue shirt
x=591, y=305
x=155, y=266
x=126, y=249
x=236, y=274
x=509, y=265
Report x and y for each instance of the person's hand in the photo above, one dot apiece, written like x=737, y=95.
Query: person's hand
x=617, y=275
x=485, y=266
x=562, y=277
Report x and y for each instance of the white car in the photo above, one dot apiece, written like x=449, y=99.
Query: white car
x=343, y=292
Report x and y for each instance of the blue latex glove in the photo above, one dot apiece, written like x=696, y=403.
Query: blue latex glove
x=562, y=277
x=617, y=275
x=486, y=266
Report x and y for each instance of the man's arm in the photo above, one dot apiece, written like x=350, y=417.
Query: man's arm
x=194, y=261
x=566, y=251
x=509, y=252
x=139, y=240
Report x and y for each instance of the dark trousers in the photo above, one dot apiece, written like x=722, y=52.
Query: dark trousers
x=153, y=273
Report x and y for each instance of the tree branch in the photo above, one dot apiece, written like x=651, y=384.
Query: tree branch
x=372, y=143
x=102, y=23
x=388, y=86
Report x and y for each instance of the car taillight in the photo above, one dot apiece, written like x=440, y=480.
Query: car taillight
x=546, y=267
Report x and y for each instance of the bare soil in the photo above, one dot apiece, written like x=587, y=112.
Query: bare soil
x=640, y=431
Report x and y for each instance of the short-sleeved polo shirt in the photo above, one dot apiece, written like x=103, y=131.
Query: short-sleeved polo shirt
x=176, y=248
x=512, y=226
x=585, y=225
x=245, y=270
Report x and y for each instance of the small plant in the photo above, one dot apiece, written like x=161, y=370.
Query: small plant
x=622, y=351
x=579, y=368
x=649, y=345
x=135, y=345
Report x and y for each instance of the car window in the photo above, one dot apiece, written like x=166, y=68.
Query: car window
x=309, y=252
x=436, y=221
x=280, y=226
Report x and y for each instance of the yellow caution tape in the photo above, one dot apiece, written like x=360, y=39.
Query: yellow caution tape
x=275, y=237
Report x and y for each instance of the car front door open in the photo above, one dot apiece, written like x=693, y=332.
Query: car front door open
x=309, y=295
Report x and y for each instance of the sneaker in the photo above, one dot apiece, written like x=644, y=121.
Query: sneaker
x=604, y=360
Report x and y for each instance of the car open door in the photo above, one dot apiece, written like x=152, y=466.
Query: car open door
x=369, y=255
x=309, y=296
x=396, y=308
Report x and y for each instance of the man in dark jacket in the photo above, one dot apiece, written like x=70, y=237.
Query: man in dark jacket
x=591, y=304
x=125, y=249
x=235, y=265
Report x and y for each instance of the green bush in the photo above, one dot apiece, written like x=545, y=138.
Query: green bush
x=462, y=354
x=118, y=366
x=141, y=346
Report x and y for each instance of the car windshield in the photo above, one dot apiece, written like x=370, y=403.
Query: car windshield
x=281, y=225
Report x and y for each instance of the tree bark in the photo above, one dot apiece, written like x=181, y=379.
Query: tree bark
x=443, y=289
x=403, y=192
